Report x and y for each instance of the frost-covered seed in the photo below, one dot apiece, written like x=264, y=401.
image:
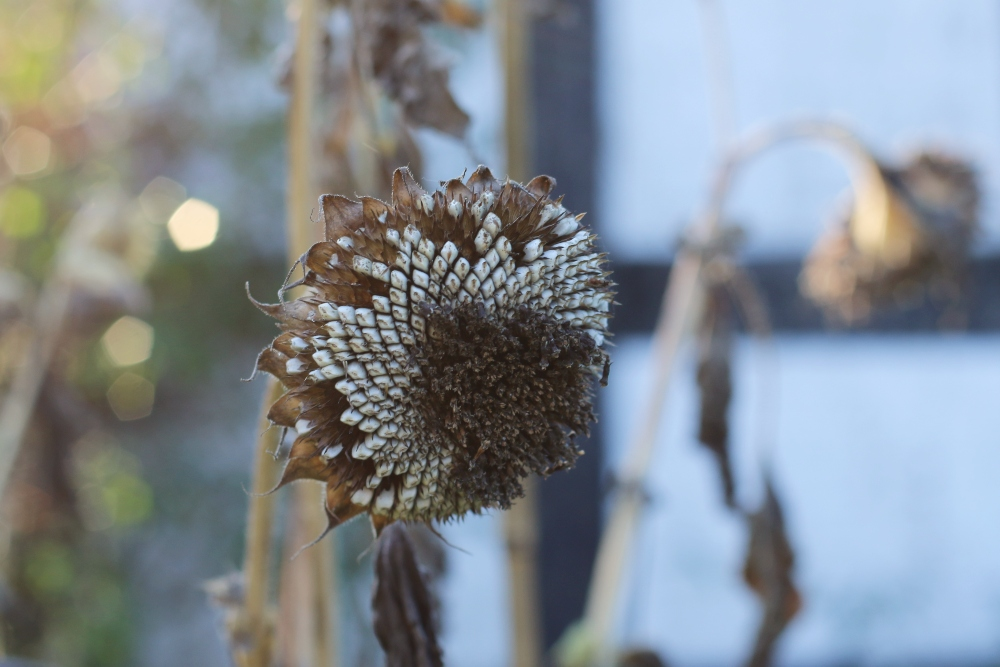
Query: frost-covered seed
x=398, y=279
x=361, y=451
x=421, y=279
x=483, y=240
x=362, y=497
x=533, y=250
x=347, y=314
x=351, y=417
x=380, y=271
x=328, y=311
x=339, y=344
x=450, y=252
x=411, y=234
x=462, y=268
x=369, y=424
x=331, y=452
x=455, y=208
x=298, y=344
x=426, y=203
x=332, y=372
x=567, y=226
x=323, y=357
x=426, y=247
x=398, y=297
x=365, y=317
x=356, y=370
x=295, y=366
x=346, y=386
x=384, y=500
x=345, y=242
x=492, y=224
x=362, y=265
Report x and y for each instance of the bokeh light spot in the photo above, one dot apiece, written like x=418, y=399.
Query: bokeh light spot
x=131, y=397
x=128, y=341
x=160, y=198
x=194, y=225
x=41, y=27
x=97, y=78
x=27, y=151
x=21, y=213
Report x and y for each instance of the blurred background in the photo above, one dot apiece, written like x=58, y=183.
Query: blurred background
x=142, y=185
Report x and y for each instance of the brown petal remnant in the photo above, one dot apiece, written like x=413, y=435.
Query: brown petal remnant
x=907, y=235
x=403, y=608
x=445, y=347
x=715, y=384
x=768, y=571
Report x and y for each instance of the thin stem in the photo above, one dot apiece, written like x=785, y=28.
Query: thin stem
x=681, y=300
x=720, y=75
x=300, y=234
x=257, y=624
x=19, y=405
x=521, y=521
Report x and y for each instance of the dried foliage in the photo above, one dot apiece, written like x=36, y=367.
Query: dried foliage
x=715, y=384
x=407, y=66
x=382, y=77
x=768, y=571
x=403, y=608
x=640, y=658
x=907, y=235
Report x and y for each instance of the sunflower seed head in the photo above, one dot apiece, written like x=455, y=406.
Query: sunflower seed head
x=439, y=356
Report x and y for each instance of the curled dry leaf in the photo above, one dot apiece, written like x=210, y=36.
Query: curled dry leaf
x=768, y=571
x=407, y=66
x=907, y=235
x=403, y=608
x=715, y=342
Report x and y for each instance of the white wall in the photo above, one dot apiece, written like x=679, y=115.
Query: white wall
x=901, y=72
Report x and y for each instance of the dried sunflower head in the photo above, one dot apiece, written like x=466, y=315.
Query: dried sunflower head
x=908, y=233
x=445, y=347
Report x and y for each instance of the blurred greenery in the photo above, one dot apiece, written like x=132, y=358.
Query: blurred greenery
x=108, y=97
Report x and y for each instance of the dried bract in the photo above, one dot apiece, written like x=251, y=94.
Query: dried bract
x=908, y=234
x=445, y=348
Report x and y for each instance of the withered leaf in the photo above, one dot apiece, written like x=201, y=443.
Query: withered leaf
x=715, y=342
x=409, y=69
x=768, y=571
x=403, y=607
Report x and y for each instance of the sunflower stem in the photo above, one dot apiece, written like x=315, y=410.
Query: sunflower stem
x=521, y=521
x=300, y=235
x=257, y=626
x=681, y=300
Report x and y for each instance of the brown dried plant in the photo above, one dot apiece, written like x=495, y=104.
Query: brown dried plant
x=444, y=349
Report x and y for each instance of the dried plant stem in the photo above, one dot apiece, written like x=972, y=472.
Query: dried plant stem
x=521, y=521
x=19, y=405
x=256, y=625
x=680, y=301
x=521, y=536
x=301, y=234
